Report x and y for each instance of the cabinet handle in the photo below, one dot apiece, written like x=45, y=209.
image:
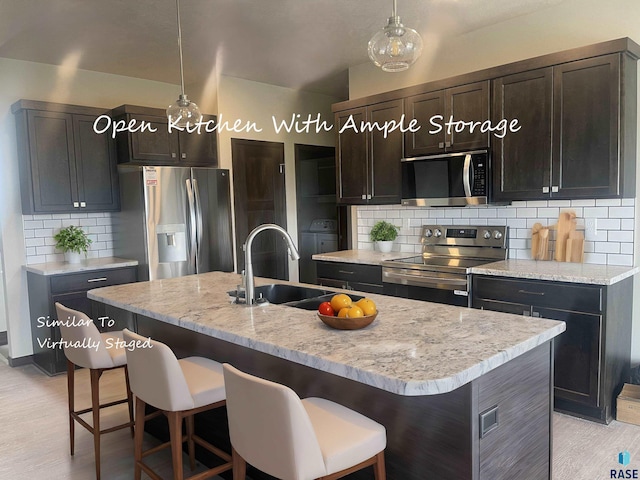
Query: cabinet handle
x=364, y=197
x=83, y=204
x=346, y=272
x=101, y=279
x=545, y=189
x=554, y=189
x=173, y=155
x=447, y=144
x=184, y=155
x=441, y=145
x=76, y=205
x=535, y=314
x=369, y=197
x=526, y=313
x=531, y=293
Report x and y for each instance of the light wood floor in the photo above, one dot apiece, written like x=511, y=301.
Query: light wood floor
x=34, y=438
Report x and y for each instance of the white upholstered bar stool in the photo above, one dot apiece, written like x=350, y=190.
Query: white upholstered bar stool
x=81, y=335
x=178, y=389
x=293, y=439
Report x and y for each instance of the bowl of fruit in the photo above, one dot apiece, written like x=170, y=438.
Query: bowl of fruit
x=344, y=314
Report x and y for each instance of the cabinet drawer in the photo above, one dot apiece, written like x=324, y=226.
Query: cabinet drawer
x=564, y=296
x=350, y=272
x=94, y=279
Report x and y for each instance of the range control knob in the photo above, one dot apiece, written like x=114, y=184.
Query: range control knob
x=437, y=233
x=486, y=234
x=497, y=234
x=428, y=232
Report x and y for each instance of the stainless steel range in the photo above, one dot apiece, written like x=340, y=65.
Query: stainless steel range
x=442, y=273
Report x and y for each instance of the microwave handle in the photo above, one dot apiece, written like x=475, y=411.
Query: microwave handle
x=467, y=174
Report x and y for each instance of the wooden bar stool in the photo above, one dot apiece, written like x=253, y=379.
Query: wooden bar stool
x=178, y=389
x=86, y=347
x=293, y=439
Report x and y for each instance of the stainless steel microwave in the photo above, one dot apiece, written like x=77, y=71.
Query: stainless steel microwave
x=451, y=179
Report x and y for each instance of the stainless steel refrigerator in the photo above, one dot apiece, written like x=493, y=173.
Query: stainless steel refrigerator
x=174, y=220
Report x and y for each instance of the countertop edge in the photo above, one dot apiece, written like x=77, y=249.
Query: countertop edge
x=92, y=264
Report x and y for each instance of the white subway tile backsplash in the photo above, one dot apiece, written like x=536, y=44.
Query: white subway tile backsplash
x=32, y=224
x=34, y=242
x=613, y=244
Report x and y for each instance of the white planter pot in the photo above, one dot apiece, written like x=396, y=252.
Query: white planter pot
x=384, y=246
x=72, y=257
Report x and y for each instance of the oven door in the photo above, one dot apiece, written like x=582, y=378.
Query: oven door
x=430, y=286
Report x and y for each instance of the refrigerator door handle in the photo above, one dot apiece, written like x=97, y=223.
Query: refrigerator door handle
x=199, y=222
x=192, y=227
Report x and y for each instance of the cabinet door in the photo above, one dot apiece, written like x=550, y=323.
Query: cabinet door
x=152, y=148
x=96, y=167
x=53, y=163
x=586, y=128
x=522, y=160
x=422, y=108
x=385, y=154
x=468, y=103
x=351, y=158
x=577, y=356
x=199, y=149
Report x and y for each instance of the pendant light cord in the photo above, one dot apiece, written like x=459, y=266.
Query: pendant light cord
x=180, y=46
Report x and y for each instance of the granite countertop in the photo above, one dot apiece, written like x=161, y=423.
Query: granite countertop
x=368, y=257
x=557, y=271
x=58, y=268
x=412, y=348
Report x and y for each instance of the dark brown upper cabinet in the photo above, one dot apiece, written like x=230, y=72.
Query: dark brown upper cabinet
x=65, y=167
x=574, y=140
x=432, y=110
x=368, y=164
x=161, y=147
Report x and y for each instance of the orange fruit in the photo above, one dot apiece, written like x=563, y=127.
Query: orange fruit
x=367, y=305
x=343, y=312
x=339, y=301
x=354, y=312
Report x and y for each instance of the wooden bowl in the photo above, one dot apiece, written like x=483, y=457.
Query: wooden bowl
x=342, y=323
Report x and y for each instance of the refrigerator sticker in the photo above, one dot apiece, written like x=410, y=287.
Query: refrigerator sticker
x=151, y=177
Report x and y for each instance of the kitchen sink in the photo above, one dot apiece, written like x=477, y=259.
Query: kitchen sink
x=292, y=295
x=279, y=293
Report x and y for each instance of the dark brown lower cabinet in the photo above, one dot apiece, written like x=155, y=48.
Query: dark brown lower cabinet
x=70, y=290
x=350, y=276
x=592, y=356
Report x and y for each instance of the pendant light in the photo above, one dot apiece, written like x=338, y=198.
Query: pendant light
x=395, y=47
x=183, y=109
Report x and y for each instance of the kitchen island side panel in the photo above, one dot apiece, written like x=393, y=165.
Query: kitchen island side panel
x=432, y=435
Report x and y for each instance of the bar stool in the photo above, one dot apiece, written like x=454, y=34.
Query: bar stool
x=293, y=439
x=178, y=389
x=86, y=347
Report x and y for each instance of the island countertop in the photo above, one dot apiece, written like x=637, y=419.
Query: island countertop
x=412, y=348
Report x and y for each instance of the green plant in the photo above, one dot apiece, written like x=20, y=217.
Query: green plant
x=72, y=239
x=383, y=231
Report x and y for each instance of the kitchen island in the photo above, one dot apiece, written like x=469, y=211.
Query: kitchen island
x=463, y=393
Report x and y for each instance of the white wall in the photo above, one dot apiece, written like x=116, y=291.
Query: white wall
x=56, y=84
x=258, y=102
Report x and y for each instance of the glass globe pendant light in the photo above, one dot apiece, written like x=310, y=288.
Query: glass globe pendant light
x=183, y=111
x=395, y=47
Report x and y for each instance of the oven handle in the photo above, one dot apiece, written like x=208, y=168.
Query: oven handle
x=466, y=175
x=424, y=281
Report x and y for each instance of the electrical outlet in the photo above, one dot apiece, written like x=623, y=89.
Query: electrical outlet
x=591, y=228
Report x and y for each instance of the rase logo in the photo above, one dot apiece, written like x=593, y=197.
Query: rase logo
x=623, y=459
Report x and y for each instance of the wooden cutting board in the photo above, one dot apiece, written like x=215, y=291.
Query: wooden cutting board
x=566, y=224
x=535, y=240
x=575, y=247
x=543, y=248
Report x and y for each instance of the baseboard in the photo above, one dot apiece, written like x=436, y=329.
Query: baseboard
x=20, y=361
x=3, y=338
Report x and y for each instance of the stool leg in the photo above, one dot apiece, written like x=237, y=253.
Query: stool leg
x=95, y=406
x=379, y=468
x=175, y=433
x=238, y=465
x=139, y=437
x=190, y=442
x=71, y=369
x=129, y=399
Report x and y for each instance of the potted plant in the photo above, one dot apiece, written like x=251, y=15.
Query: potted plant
x=383, y=234
x=73, y=242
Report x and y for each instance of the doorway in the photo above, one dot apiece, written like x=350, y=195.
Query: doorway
x=259, y=197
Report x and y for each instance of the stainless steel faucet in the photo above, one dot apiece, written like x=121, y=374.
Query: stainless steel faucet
x=248, y=266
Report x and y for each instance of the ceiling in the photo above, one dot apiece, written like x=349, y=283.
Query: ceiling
x=301, y=44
